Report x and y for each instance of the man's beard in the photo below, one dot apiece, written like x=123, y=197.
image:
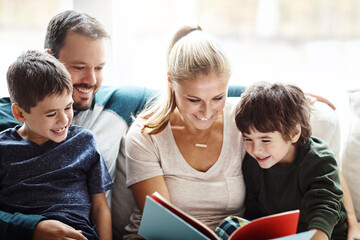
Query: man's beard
x=82, y=106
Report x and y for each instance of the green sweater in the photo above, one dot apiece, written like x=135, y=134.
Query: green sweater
x=311, y=184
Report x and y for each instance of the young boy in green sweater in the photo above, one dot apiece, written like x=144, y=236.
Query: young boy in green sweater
x=285, y=168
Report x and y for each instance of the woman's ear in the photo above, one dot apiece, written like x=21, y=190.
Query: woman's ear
x=17, y=111
x=296, y=134
x=170, y=81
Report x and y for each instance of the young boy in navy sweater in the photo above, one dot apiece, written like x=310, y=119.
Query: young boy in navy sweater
x=49, y=167
x=285, y=168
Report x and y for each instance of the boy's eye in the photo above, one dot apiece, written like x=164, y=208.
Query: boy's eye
x=266, y=140
x=99, y=68
x=79, y=67
x=247, y=140
x=51, y=114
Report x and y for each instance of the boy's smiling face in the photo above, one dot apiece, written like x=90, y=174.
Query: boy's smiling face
x=270, y=148
x=48, y=120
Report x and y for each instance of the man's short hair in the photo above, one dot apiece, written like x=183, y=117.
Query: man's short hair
x=35, y=75
x=72, y=21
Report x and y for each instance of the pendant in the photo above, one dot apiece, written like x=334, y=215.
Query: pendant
x=201, y=145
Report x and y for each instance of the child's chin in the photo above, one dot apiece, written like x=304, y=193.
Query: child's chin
x=265, y=166
x=59, y=139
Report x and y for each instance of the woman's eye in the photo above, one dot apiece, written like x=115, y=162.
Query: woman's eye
x=218, y=98
x=193, y=100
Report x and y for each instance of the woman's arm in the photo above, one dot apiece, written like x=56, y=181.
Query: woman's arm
x=148, y=187
x=100, y=214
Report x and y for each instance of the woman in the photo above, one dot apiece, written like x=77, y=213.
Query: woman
x=185, y=145
x=177, y=146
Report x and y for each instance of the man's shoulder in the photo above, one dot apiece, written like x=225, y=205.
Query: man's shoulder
x=7, y=120
x=125, y=94
x=7, y=134
x=125, y=101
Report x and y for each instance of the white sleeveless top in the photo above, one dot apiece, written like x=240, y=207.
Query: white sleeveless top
x=208, y=196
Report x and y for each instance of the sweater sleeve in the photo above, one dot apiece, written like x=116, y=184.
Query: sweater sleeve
x=17, y=225
x=249, y=168
x=322, y=200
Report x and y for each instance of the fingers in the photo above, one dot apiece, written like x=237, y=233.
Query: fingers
x=75, y=234
x=53, y=229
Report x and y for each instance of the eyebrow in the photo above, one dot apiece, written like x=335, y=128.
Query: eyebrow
x=221, y=94
x=52, y=110
x=263, y=137
x=84, y=63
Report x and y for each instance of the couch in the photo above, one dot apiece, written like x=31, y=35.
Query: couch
x=350, y=161
x=325, y=124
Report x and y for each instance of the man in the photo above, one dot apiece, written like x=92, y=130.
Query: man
x=79, y=42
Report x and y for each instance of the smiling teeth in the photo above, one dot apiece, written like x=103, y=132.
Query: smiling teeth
x=84, y=90
x=202, y=119
x=59, y=130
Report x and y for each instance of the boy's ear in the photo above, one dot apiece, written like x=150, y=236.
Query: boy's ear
x=17, y=111
x=297, y=134
x=48, y=51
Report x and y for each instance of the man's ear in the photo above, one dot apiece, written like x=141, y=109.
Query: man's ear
x=297, y=134
x=17, y=111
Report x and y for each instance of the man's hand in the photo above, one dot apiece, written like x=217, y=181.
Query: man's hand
x=312, y=98
x=55, y=230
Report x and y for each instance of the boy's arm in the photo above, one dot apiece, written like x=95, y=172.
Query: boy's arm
x=353, y=227
x=320, y=182
x=319, y=235
x=100, y=214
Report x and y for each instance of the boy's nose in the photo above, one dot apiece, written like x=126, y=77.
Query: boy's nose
x=257, y=149
x=63, y=119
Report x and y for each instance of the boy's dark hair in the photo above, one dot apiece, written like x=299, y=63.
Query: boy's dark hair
x=269, y=107
x=35, y=75
x=73, y=21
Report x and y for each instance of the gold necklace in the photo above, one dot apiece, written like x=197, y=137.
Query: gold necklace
x=202, y=145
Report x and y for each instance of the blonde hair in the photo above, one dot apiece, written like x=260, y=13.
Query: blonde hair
x=191, y=53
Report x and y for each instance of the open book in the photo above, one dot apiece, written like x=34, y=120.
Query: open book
x=162, y=220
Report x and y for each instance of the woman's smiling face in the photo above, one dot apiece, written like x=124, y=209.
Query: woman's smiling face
x=201, y=100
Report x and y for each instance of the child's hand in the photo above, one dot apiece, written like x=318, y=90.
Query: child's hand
x=319, y=235
x=353, y=233
x=53, y=229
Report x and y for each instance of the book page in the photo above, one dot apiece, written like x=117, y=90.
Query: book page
x=186, y=217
